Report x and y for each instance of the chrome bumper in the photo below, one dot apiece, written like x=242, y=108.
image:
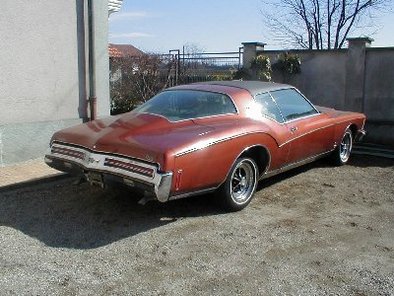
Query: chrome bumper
x=360, y=135
x=98, y=168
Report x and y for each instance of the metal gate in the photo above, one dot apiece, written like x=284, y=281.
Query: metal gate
x=182, y=68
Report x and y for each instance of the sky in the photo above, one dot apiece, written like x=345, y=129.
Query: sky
x=157, y=26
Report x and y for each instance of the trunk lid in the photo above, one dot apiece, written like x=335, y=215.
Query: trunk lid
x=144, y=136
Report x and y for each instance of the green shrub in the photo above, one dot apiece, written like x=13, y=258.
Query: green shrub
x=288, y=64
x=241, y=74
x=262, y=65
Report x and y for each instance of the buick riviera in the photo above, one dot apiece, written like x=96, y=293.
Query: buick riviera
x=205, y=137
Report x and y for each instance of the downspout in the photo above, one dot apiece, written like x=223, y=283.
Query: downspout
x=92, y=73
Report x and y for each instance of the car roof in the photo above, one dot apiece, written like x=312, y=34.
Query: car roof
x=254, y=87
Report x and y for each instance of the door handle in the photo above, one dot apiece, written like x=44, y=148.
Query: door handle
x=293, y=129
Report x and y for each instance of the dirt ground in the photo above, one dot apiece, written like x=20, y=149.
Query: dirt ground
x=318, y=230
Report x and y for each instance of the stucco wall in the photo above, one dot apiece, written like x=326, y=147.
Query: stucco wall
x=38, y=57
x=378, y=102
x=42, y=82
x=101, y=56
x=379, y=84
x=359, y=78
x=326, y=69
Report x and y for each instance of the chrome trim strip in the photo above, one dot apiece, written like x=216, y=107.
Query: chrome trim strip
x=307, y=133
x=304, y=117
x=191, y=119
x=96, y=161
x=73, y=145
x=295, y=164
x=360, y=135
x=213, y=142
x=295, y=119
x=193, y=193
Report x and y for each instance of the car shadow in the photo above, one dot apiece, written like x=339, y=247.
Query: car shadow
x=362, y=161
x=63, y=215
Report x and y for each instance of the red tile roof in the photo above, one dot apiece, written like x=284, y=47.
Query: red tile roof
x=123, y=50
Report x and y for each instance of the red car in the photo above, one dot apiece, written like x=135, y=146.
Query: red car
x=204, y=137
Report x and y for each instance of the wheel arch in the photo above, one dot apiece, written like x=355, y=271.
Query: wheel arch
x=260, y=154
x=353, y=128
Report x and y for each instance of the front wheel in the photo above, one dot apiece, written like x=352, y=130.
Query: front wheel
x=240, y=185
x=342, y=152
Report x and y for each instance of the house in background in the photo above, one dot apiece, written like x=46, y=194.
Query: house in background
x=116, y=53
x=54, y=60
x=123, y=50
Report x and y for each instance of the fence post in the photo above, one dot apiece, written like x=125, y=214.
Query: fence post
x=355, y=73
x=250, y=52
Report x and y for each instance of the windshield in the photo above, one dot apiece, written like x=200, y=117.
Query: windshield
x=187, y=104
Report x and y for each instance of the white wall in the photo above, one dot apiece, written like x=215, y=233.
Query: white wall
x=38, y=57
x=42, y=80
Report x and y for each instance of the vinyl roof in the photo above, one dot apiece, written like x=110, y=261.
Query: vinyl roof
x=254, y=87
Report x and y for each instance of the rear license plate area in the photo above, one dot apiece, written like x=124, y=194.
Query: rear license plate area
x=96, y=179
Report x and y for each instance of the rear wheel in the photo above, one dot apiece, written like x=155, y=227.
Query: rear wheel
x=240, y=185
x=342, y=152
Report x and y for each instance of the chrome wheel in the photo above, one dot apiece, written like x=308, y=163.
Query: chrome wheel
x=342, y=152
x=243, y=181
x=238, y=189
x=345, y=147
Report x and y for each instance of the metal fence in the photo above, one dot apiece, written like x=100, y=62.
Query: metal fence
x=135, y=79
x=181, y=68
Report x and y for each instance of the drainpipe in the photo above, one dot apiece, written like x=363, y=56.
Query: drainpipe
x=92, y=73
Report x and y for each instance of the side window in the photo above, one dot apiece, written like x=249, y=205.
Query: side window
x=269, y=107
x=292, y=104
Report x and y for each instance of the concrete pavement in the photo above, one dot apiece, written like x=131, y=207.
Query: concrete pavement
x=28, y=171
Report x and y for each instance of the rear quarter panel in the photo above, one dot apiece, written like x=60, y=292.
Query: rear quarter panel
x=343, y=120
x=354, y=121
x=208, y=167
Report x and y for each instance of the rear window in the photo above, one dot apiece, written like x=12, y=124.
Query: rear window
x=187, y=104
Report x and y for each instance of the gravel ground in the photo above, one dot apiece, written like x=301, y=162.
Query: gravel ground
x=318, y=230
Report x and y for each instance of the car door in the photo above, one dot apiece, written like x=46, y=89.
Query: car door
x=311, y=133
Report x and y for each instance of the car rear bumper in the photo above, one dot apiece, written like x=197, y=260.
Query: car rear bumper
x=102, y=169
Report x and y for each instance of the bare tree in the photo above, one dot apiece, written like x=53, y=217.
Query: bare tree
x=319, y=24
x=135, y=79
x=193, y=54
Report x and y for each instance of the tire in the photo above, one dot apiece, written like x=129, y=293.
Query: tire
x=238, y=189
x=342, y=153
